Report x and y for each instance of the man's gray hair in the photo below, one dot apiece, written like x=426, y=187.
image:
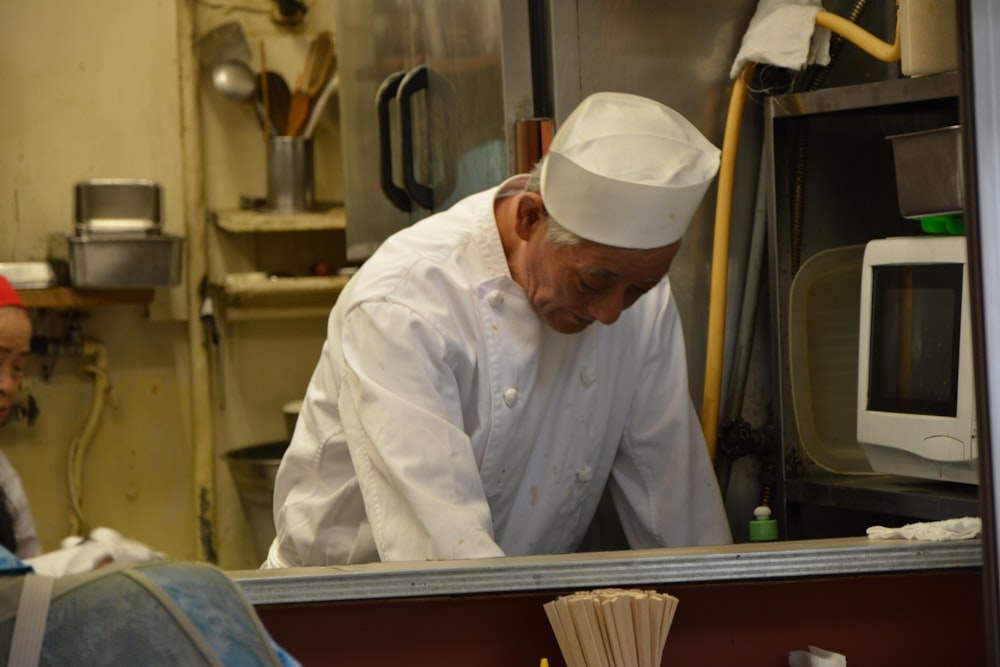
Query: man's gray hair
x=556, y=234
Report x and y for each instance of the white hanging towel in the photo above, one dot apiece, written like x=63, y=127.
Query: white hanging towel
x=784, y=33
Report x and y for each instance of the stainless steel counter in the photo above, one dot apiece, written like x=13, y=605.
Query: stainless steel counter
x=779, y=560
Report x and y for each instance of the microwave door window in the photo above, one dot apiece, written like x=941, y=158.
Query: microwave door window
x=916, y=320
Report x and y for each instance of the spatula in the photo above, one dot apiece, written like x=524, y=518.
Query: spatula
x=318, y=68
x=223, y=44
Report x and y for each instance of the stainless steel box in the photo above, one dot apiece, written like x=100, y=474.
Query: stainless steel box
x=929, y=179
x=115, y=261
x=117, y=205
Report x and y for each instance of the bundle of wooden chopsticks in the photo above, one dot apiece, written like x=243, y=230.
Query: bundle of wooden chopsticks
x=612, y=627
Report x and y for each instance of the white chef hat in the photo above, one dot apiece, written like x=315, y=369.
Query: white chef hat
x=627, y=171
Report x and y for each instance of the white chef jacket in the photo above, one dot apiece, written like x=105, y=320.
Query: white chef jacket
x=445, y=420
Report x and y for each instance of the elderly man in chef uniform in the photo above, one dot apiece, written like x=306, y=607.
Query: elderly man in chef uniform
x=492, y=368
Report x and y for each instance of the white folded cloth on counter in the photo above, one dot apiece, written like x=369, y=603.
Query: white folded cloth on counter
x=102, y=546
x=784, y=33
x=964, y=528
x=816, y=657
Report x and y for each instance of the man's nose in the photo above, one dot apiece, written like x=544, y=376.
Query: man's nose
x=607, y=308
x=8, y=381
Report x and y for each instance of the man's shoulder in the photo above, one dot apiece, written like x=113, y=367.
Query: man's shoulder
x=417, y=265
x=446, y=245
x=421, y=249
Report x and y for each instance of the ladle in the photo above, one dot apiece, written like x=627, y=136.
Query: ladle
x=235, y=80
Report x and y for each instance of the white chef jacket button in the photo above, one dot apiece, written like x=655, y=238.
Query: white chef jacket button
x=588, y=375
x=510, y=397
x=495, y=298
x=584, y=473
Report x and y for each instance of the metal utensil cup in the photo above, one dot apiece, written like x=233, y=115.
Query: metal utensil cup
x=290, y=178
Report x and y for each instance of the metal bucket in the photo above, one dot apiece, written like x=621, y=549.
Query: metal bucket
x=253, y=470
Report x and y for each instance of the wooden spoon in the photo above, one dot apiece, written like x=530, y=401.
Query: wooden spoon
x=320, y=60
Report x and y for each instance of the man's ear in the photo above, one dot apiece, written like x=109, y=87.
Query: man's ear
x=530, y=212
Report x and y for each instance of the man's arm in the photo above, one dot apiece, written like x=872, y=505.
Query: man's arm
x=402, y=414
x=663, y=483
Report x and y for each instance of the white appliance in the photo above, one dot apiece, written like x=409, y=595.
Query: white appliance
x=916, y=412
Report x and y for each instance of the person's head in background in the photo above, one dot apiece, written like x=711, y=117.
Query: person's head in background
x=15, y=346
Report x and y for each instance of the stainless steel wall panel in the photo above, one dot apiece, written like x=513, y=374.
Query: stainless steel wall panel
x=679, y=53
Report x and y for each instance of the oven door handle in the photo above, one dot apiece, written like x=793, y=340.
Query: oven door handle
x=415, y=81
x=383, y=99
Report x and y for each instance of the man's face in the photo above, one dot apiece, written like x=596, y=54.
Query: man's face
x=572, y=286
x=15, y=346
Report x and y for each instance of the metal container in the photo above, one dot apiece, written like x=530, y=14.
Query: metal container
x=290, y=174
x=253, y=470
x=117, y=205
x=115, y=261
x=929, y=179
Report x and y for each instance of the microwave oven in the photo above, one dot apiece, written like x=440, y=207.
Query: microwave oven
x=916, y=407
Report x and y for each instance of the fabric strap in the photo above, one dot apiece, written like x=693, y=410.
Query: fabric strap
x=29, y=626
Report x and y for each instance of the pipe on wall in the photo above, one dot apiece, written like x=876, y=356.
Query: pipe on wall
x=78, y=448
x=195, y=220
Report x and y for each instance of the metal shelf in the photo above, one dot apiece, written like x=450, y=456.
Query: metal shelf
x=886, y=494
x=827, y=152
x=866, y=96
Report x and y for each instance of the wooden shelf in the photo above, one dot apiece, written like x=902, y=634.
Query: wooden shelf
x=245, y=221
x=257, y=296
x=247, y=247
x=68, y=297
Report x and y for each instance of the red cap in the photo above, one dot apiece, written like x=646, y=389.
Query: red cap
x=8, y=295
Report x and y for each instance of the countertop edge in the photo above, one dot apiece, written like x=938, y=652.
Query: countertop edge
x=781, y=560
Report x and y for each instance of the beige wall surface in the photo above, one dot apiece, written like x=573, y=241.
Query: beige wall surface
x=94, y=90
